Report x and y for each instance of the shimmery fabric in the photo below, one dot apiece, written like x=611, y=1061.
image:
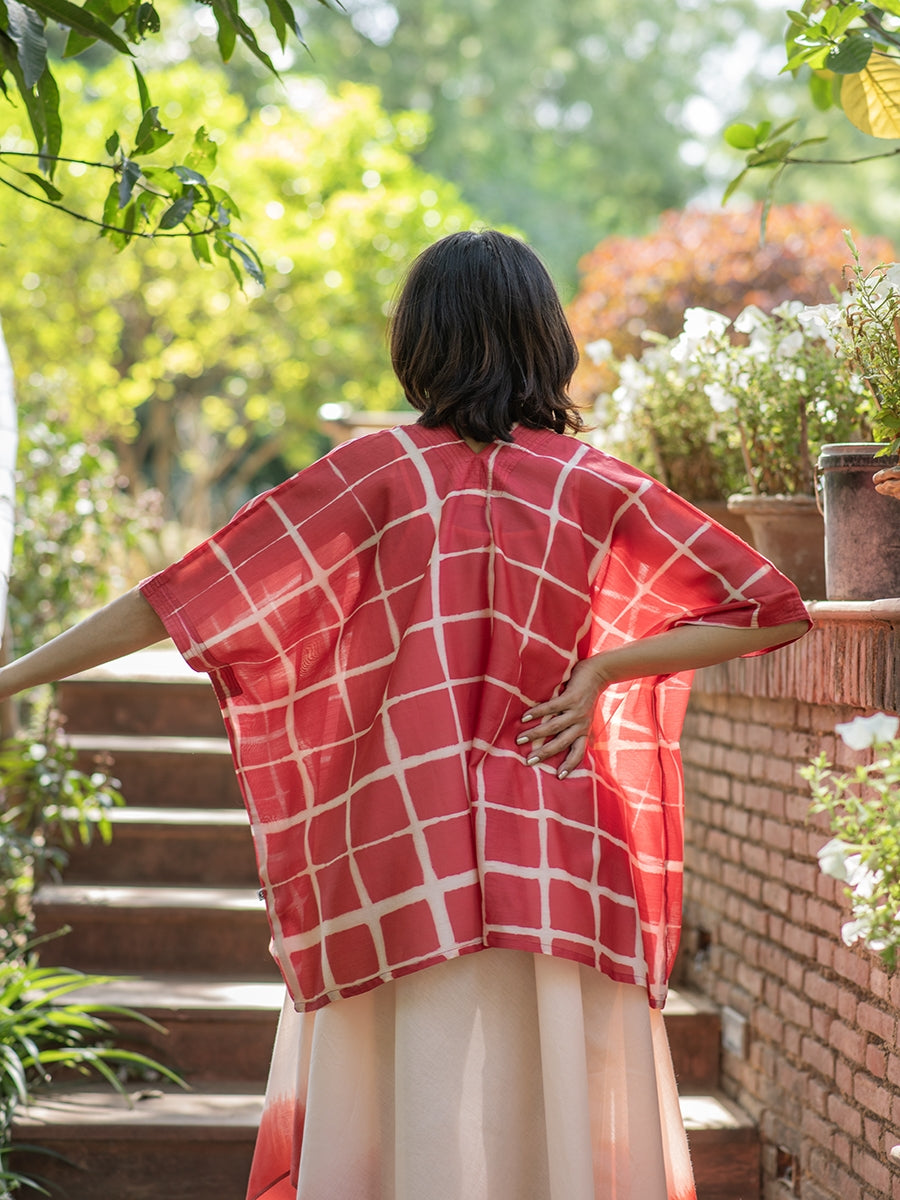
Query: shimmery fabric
x=376, y=626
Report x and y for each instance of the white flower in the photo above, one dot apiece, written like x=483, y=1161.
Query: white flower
x=833, y=858
x=892, y=276
x=760, y=343
x=599, y=351
x=863, y=732
x=750, y=319
x=790, y=344
x=788, y=309
x=852, y=931
x=719, y=398
x=700, y=322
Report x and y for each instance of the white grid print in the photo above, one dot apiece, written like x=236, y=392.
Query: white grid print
x=375, y=628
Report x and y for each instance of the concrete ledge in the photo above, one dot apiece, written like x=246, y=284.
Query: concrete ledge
x=850, y=657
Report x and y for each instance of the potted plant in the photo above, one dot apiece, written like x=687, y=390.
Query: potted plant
x=859, y=479
x=758, y=395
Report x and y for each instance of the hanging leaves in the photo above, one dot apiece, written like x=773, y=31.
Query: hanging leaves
x=871, y=98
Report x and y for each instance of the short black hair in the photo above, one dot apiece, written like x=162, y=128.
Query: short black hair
x=479, y=340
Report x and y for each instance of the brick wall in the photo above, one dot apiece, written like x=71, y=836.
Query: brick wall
x=811, y=1026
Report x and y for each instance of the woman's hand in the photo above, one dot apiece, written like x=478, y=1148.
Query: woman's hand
x=887, y=482
x=563, y=723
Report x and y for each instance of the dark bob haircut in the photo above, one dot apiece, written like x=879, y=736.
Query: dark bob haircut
x=479, y=340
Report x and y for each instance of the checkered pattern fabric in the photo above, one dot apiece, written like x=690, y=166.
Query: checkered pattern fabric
x=376, y=626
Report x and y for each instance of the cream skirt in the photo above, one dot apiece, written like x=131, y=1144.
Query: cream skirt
x=500, y=1075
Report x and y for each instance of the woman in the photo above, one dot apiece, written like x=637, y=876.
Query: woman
x=451, y=661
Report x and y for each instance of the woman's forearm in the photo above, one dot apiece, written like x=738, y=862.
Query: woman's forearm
x=687, y=648
x=121, y=627
x=562, y=724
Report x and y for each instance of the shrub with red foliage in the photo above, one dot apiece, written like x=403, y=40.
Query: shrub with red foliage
x=699, y=258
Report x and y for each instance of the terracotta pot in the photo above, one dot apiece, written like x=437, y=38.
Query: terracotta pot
x=862, y=527
x=789, y=531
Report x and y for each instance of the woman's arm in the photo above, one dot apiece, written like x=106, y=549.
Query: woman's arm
x=121, y=627
x=563, y=723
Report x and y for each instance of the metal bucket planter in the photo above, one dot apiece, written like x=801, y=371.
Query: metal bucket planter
x=790, y=533
x=862, y=527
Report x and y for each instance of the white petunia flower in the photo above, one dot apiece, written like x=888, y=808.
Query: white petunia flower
x=721, y=400
x=788, y=309
x=833, y=858
x=599, y=351
x=701, y=322
x=863, y=732
x=750, y=319
x=790, y=344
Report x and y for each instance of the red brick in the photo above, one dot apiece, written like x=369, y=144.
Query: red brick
x=874, y=1095
x=800, y=942
x=871, y=1169
x=843, y=1077
x=874, y=1131
x=819, y=1057
x=820, y=990
x=850, y=965
x=876, y=1021
x=876, y=1063
x=849, y=1042
x=846, y=1118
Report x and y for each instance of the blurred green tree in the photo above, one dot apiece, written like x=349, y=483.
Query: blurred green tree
x=144, y=196
x=571, y=120
x=206, y=393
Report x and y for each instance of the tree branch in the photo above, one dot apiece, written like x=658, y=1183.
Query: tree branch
x=70, y=212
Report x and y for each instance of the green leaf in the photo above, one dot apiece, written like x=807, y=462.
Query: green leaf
x=26, y=29
x=186, y=175
x=741, y=136
x=143, y=90
x=889, y=6
x=177, y=212
x=33, y=106
x=733, y=186
x=852, y=55
x=226, y=37
x=131, y=173
x=227, y=11
x=48, y=95
x=81, y=21
x=46, y=187
x=821, y=89
x=151, y=135
x=112, y=143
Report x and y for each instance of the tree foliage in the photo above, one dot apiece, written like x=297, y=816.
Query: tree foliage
x=703, y=259
x=569, y=120
x=207, y=394
x=849, y=53
x=145, y=195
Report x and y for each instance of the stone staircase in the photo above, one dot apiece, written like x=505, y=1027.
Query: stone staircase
x=171, y=905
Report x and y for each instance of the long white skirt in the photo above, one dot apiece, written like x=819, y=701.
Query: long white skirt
x=500, y=1075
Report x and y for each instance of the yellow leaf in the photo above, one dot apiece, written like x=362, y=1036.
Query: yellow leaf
x=871, y=99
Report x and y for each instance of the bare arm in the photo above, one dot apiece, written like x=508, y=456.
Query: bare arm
x=562, y=724
x=121, y=627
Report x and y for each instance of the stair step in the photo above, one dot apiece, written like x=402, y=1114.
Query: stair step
x=153, y=691
x=162, y=1144
x=122, y=930
x=694, y=1029
x=160, y=771
x=214, y=1029
x=206, y=847
x=725, y=1148
x=193, y=1145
